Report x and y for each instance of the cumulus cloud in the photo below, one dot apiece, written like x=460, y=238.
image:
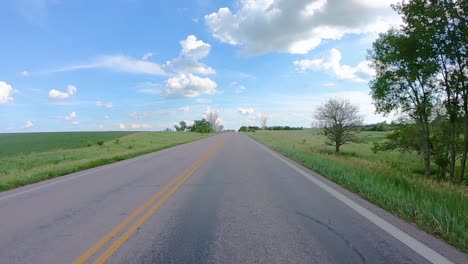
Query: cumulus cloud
x=122, y=126
x=189, y=86
x=59, y=95
x=193, y=48
x=24, y=73
x=71, y=117
x=105, y=105
x=331, y=64
x=6, y=92
x=187, y=65
x=28, y=124
x=246, y=111
x=297, y=26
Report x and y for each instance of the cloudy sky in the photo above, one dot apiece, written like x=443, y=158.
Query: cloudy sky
x=145, y=65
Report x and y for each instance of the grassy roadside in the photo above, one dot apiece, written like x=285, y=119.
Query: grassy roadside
x=390, y=180
x=24, y=168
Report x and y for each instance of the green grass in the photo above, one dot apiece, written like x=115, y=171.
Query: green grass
x=69, y=152
x=24, y=143
x=391, y=180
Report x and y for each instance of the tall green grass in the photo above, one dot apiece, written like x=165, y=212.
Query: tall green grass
x=389, y=179
x=22, y=169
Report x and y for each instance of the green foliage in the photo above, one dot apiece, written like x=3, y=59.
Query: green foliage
x=387, y=179
x=100, y=142
x=18, y=169
x=201, y=126
x=182, y=126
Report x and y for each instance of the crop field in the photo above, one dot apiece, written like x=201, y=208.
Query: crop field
x=33, y=157
x=25, y=143
x=392, y=180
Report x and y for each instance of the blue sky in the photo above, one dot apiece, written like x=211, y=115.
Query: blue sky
x=145, y=65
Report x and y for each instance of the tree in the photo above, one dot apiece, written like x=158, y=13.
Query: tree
x=182, y=126
x=212, y=116
x=341, y=121
x=201, y=126
x=263, y=118
x=404, y=81
x=440, y=26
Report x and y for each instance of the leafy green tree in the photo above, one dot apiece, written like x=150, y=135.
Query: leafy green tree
x=201, y=126
x=441, y=28
x=404, y=81
x=182, y=126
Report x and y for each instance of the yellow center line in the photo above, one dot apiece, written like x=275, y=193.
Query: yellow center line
x=178, y=181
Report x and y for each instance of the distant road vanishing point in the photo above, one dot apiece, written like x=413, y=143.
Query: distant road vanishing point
x=224, y=199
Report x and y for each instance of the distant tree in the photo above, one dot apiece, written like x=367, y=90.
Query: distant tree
x=341, y=121
x=212, y=116
x=263, y=118
x=182, y=126
x=201, y=126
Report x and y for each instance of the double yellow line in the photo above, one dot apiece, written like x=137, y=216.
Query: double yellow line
x=166, y=192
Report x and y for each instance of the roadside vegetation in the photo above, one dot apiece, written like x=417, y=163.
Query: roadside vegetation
x=393, y=180
x=33, y=157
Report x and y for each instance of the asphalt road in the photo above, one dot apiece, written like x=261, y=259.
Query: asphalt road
x=225, y=199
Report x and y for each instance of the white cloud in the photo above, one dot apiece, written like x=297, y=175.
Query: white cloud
x=147, y=56
x=59, y=95
x=101, y=126
x=5, y=93
x=142, y=125
x=297, y=26
x=122, y=126
x=189, y=86
x=331, y=64
x=24, y=73
x=238, y=88
x=118, y=63
x=193, y=48
x=106, y=105
x=185, y=108
x=187, y=65
x=71, y=117
x=246, y=111
x=328, y=84
x=204, y=101
x=28, y=124
x=106, y=117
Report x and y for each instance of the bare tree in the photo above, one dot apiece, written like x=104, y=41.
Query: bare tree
x=212, y=116
x=263, y=117
x=340, y=121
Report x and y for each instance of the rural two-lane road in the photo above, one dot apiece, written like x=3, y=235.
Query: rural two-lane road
x=224, y=199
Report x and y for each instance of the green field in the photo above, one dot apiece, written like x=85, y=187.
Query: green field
x=33, y=157
x=24, y=143
x=392, y=180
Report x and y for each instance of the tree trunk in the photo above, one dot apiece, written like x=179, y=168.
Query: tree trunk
x=426, y=149
x=452, y=149
x=337, y=148
x=465, y=149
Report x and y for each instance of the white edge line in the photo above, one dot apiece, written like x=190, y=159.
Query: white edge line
x=403, y=237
